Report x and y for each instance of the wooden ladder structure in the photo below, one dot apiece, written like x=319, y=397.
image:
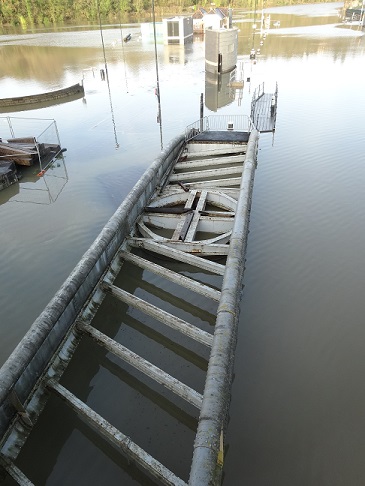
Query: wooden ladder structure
x=182, y=238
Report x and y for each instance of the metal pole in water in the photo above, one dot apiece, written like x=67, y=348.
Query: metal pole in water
x=159, y=116
x=201, y=112
x=10, y=126
x=107, y=75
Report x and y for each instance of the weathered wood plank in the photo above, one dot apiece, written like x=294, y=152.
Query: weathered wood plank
x=186, y=282
x=170, y=252
x=14, y=472
x=144, y=366
x=211, y=224
x=212, y=149
x=194, y=224
x=17, y=154
x=205, y=174
x=209, y=162
x=216, y=183
x=164, y=317
x=116, y=437
x=183, y=225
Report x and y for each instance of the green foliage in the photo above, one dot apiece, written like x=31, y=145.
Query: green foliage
x=22, y=22
x=44, y=12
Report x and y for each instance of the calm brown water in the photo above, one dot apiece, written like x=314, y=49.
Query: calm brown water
x=297, y=413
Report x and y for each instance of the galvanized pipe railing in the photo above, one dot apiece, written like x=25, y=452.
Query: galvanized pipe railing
x=240, y=123
x=257, y=94
x=216, y=398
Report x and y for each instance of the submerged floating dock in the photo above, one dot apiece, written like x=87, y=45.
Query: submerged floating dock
x=185, y=223
x=264, y=109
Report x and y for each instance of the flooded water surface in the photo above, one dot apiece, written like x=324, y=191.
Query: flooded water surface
x=297, y=412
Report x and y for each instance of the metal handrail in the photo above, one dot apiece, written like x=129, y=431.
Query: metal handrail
x=242, y=123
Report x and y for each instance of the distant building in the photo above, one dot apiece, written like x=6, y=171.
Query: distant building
x=215, y=18
x=354, y=12
x=355, y=15
x=177, y=30
x=198, y=20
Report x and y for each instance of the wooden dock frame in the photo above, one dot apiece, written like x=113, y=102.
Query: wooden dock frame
x=34, y=368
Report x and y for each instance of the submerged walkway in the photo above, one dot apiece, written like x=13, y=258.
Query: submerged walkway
x=263, y=109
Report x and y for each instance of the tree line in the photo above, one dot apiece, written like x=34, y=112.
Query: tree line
x=46, y=12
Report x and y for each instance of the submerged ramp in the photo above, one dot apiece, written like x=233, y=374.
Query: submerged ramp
x=155, y=300
x=264, y=109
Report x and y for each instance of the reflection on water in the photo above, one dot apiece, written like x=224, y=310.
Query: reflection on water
x=41, y=64
x=297, y=408
x=39, y=189
x=217, y=91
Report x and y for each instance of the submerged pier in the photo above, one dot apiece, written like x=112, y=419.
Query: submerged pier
x=157, y=296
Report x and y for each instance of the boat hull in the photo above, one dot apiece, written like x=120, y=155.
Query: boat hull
x=224, y=168
x=21, y=103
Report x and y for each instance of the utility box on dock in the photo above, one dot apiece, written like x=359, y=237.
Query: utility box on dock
x=220, y=50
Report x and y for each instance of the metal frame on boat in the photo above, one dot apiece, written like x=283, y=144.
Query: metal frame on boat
x=191, y=205
x=29, y=141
